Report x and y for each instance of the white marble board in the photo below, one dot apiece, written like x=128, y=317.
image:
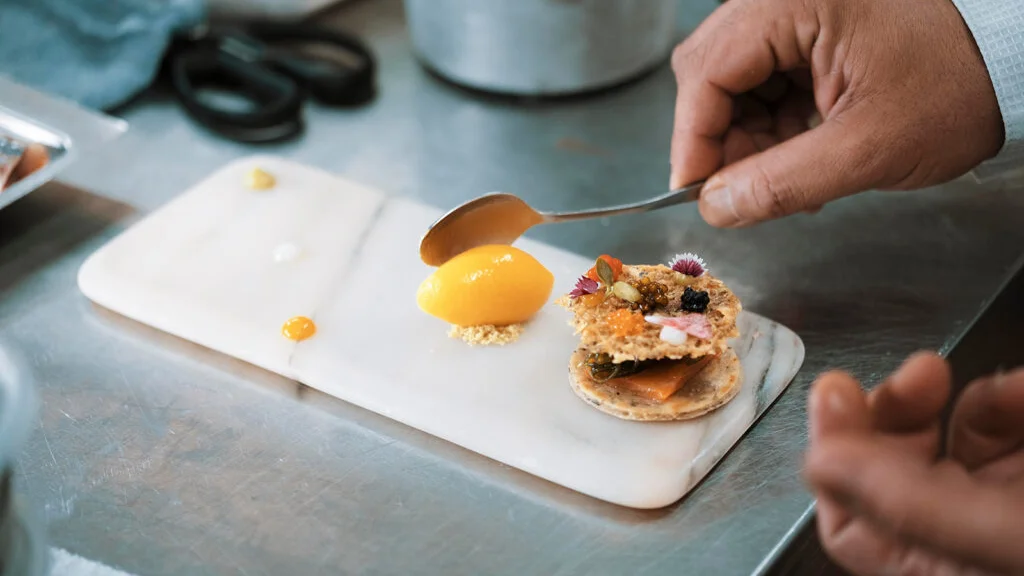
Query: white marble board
x=203, y=268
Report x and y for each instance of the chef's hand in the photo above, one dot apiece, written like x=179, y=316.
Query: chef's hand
x=901, y=91
x=888, y=503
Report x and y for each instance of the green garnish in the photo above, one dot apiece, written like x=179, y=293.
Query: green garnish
x=604, y=272
x=602, y=369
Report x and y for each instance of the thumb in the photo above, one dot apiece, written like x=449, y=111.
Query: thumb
x=837, y=158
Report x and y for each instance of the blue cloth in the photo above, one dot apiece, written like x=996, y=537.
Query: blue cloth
x=99, y=53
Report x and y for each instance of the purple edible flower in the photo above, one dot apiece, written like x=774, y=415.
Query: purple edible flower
x=583, y=286
x=688, y=263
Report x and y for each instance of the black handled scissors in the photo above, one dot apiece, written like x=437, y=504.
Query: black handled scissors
x=272, y=68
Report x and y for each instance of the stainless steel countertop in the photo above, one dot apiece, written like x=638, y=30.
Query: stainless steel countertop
x=163, y=458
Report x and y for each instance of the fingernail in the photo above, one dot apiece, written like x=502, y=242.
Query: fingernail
x=836, y=402
x=818, y=410
x=1012, y=377
x=719, y=199
x=832, y=401
x=998, y=378
x=675, y=181
x=829, y=395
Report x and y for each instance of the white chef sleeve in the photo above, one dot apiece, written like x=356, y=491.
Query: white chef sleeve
x=998, y=29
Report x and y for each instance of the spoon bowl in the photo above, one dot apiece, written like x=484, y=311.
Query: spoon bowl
x=501, y=218
x=496, y=218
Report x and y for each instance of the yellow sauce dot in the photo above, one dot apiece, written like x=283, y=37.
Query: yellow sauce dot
x=257, y=179
x=298, y=328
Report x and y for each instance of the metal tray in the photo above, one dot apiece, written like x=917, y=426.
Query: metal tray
x=66, y=129
x=58, y=146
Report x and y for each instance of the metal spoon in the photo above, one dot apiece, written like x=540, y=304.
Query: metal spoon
x=502, y=218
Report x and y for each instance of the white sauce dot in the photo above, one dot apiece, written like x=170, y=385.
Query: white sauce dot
x=673, y=335
x=286, y=252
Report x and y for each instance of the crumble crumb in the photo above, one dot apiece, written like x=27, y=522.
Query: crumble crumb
x=487, y=335
x=259, y=179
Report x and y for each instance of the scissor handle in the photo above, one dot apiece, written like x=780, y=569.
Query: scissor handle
x=275, y=98
x=348, y=83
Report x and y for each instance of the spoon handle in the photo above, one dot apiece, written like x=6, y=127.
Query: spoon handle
x=688, y=193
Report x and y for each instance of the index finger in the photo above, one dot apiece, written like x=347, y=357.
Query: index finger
x=732, y=52
x=912, y=398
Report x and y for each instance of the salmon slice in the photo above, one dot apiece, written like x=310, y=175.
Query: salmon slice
x=659, y=382
x=34, y=158
x=10, y=155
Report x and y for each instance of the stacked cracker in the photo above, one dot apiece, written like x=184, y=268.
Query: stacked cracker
x=718, y=381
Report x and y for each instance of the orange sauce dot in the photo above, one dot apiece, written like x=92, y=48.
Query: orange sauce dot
x=298, y=328
x=626, y=322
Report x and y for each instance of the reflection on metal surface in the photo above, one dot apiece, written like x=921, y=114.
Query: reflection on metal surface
x=160, y=457
x=22, y=548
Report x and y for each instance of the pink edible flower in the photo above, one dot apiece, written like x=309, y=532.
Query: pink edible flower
x=688, y=263
x=583, y=287
x=676, y=328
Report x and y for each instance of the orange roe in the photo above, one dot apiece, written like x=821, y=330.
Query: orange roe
x=593, y=300
x=626, y=322
x=615, y=264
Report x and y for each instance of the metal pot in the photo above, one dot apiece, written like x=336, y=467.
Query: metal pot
x=541, y=47
x=22, y=549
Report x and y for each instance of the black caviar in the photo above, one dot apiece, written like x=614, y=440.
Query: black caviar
x=695, y=301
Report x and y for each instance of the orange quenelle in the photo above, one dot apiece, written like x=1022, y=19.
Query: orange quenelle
x=488, y=285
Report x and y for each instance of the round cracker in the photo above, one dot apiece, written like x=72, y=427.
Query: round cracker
x=711, y=388
x=599, y=335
